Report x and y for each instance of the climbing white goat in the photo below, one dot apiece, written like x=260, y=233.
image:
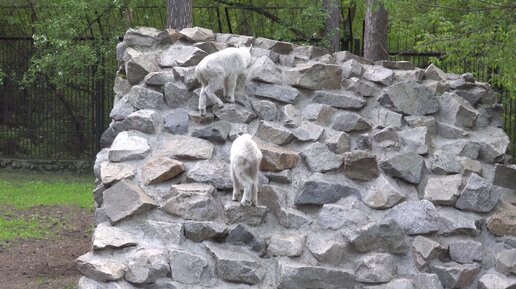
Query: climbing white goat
x=221, y=69
x=245, y=161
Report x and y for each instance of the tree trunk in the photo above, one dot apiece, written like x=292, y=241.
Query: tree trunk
x=376, y=31
x=332, y=26
x=179, y=14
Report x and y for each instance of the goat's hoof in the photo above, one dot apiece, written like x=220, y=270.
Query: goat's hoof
x=246, y=203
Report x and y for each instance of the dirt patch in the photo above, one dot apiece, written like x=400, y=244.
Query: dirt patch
x=48, y=263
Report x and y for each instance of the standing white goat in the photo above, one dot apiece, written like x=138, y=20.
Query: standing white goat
x=245, y=161
x=221, y=69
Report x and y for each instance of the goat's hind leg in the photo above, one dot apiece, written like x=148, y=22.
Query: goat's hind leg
x=237, y=187
x=231, y=86
x=202, y=102
x=210, y=92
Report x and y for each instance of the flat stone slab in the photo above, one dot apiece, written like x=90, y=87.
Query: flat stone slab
x=300, y=276
x=236, y=265
x=375, y=268
x=360, y=165
x=290, y=245
x=350, y=122
x=503, y=221
x=425, y=250
x=416, y=217
x=385, y=236
x=193, y=202
x=340, y=99
x=234, y=113
x=409, y=98
x=276, y=158
x=496, y=281
x=455, y=222
x=197, y=34
x=147, y=266
x=206, y=230
x=465, y=251
x=281, y=93
x=185, y=147
x=187, y=267
x=443, y=190
x=100, y=269
x=106, y=236
x=141, y=97
x=161, y=169
x=348, y=213
x=478, y=195
x=319, y=190
x=504, y=176
x=129, y=145
x=212, y=172
x=506, y=262
x=167, y=232
x=320, y=159
x=406, y=166
x=274, y=133
x=144, y=120
x=314, y=76
x=383, y=194
x=125, y=199
x=181, y=56
x=250, y=215
x=111, y=173
x=454, y=275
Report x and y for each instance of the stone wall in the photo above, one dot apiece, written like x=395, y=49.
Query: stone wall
x=374, y=175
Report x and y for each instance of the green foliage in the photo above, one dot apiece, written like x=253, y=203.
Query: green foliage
x=470, y=33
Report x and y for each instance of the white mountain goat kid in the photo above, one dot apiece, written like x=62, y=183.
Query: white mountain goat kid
x=221, y=69
x=245, y=161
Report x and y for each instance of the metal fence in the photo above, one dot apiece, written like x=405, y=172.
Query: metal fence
x=42, y=122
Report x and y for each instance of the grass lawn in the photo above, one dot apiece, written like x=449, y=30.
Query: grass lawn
x=22, y=193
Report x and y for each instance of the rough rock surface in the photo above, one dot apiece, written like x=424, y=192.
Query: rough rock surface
x=375, y=175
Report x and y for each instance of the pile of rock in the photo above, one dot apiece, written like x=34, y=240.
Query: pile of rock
x=374, y=175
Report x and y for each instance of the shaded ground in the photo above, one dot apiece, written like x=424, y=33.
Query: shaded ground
x=47, y=263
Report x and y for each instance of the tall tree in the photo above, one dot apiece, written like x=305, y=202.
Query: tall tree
x=376, y=31
x=333, y=21
x=179, y=14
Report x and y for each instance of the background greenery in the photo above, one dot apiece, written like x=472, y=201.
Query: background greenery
x=70, y=52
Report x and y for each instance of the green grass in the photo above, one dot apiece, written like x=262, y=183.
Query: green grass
x=19, y=192
x=25, y=195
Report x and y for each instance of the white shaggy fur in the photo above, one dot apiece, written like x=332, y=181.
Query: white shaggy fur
x=245, y=164
x=221, y=69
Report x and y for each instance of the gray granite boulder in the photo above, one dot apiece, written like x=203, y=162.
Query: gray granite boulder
x=409, y=99
x=300, y=276
x=181, y=56
x=320, y=159
x=193, y=202
x=406, y=166
x=281, y=93
x=147, y=265
x=129, y=145
x=478, y=195
x=416, y=217
x=236, y=265
x=125, y=199
x=375, y=268
x=320, y=190
x=141, y=97
x=339, y=99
